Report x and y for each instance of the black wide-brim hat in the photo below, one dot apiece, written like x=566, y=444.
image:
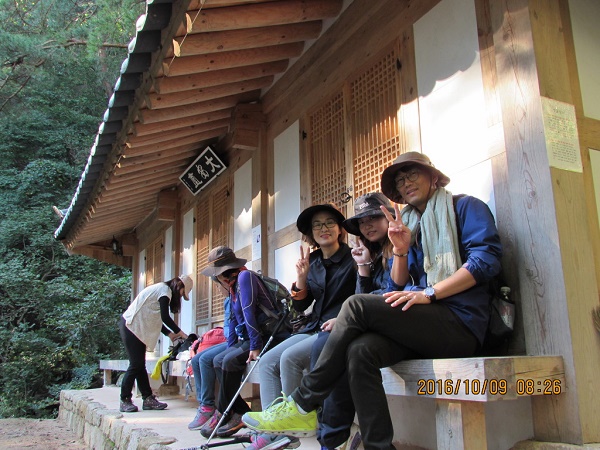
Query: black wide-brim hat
x=304, y=222
x=221, y=259
x=388, y=177
x=364, y=206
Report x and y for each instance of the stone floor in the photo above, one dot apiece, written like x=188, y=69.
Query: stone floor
x=165, y=429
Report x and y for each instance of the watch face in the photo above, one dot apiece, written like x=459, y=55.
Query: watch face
x=429, y=292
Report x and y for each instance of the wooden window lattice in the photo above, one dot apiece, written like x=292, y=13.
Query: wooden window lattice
x=220, y=229
x=209, y=310
x=327, y=145
x=202, y=249
x=374, y=123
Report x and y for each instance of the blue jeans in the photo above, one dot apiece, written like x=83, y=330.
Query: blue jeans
x=204, y=374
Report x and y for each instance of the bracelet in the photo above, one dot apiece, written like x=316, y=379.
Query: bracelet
x=400, y=256
x=365, y=264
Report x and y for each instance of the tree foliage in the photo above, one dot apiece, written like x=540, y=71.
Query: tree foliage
x=58, y=313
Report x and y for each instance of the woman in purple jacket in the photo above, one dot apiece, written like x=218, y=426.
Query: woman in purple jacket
x=244, y=340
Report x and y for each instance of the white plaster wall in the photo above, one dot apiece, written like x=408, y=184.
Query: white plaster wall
x=451, y=94
x=285, y=263
x=585, y=16
x=187, y=267
x=242, y=207
x=287, y=176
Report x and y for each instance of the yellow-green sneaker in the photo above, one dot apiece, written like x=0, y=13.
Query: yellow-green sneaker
x=282, y=418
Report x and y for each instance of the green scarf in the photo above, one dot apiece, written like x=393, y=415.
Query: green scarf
x=439, y=236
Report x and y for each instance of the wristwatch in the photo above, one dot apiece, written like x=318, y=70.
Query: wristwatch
x=430, y=293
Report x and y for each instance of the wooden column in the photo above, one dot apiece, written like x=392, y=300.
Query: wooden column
x=460, y=425
x=553, y=257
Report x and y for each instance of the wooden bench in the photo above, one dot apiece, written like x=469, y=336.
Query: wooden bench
x=460, y=388
x=176, y=368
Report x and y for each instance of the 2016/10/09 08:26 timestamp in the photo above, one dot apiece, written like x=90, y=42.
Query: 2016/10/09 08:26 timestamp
x=492, y=387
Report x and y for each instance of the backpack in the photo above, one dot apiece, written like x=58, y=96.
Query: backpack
x=212, y=337
x=502, y=307
x=281, y=300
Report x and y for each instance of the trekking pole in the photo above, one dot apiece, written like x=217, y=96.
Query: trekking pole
x=207, y=445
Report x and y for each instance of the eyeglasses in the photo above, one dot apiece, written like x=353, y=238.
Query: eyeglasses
x=410, y=176
x=329, y=223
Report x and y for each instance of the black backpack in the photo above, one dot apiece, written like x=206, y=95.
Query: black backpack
x=281, y=300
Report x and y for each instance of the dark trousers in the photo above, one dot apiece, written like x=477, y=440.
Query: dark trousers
x=230, y=365
x=136, y=353
x=337, y=414
x=369, y=334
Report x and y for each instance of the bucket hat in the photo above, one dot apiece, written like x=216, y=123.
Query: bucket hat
x=304, y=222
x=188, y=285
x=388, y=177
x=220, y=259
x=366, y=205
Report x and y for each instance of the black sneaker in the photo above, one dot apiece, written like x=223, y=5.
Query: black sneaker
x=152, y=403
x=127, y=406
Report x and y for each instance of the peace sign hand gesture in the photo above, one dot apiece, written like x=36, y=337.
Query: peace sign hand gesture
x=302, y=267
x=398, y=233
x=360, y=253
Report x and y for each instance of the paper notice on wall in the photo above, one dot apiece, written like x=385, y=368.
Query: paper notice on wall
x=562, y=139
x=256, y=243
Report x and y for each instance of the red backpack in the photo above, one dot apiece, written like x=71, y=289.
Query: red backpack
x=211, y=337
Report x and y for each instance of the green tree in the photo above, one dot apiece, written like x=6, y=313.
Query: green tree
x=58, y=313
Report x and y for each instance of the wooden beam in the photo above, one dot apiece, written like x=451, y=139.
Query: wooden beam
x=158, y=128
x=190, y=130
x=224, y=41
x=170, y=156
x=202, y=94
x=183, y=141
x=225, y=60
x=168, y=85
x=260, y=15
x=154, y=116
x=167, y=205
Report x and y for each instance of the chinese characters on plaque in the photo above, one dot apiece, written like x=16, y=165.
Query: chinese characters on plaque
x=202, y=171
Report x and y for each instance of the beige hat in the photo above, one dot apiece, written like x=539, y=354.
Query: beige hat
x=388, y=177
x=188, y=284
x=220, y=259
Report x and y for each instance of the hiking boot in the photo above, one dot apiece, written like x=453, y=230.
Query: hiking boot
x=209, y=426
x=152, y=403
x=265, y=441
x=127, y=406
x=203, y=415
x=283, y=418
x=233, y=425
